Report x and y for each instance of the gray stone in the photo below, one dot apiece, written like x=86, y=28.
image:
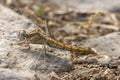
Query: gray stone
x=20, y=64
x=95, y=59
x=8, y=74
x=114, y=64
x=89, y=5
x=106, y=45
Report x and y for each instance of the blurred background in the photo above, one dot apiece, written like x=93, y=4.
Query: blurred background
x=70, y=20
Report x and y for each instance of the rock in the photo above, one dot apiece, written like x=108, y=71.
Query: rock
x=106, y=45
x=89, y=5
x=95, y=59
x=114, y=64
x=14, y=60
x=103, y=59
x=7, y=74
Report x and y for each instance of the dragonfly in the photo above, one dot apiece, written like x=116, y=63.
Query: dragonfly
x=37, y=36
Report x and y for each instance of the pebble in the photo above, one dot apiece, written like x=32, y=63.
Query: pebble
x=98, y=59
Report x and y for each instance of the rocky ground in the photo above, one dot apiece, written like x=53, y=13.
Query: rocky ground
x=68, y=26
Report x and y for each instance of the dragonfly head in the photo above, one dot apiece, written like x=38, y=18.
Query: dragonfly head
x=22, y=35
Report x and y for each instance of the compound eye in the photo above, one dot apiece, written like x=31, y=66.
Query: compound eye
x=22, y=35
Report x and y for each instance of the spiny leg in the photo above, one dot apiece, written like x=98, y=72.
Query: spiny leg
x=47, y=33
x=44, y=50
